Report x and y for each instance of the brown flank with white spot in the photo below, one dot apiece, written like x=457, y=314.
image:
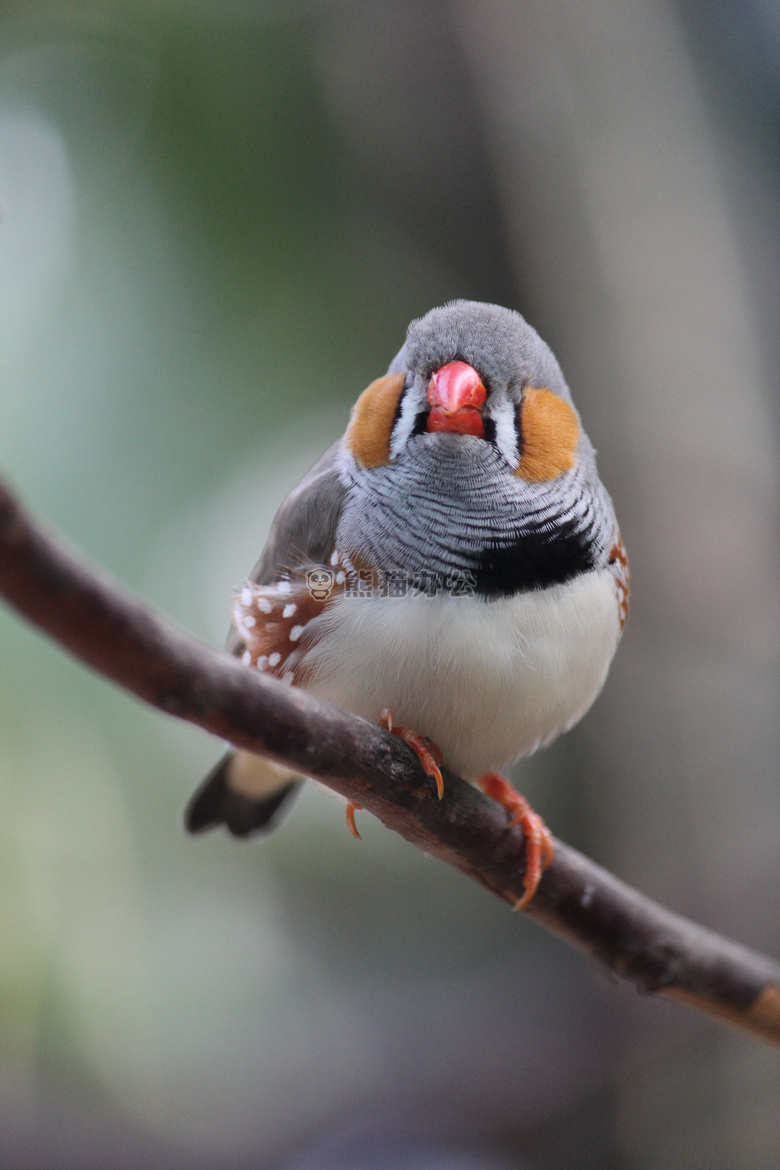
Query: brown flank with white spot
x=273, y=622
x=618, y=562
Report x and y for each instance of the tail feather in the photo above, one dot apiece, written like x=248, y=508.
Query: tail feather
x=217, y=803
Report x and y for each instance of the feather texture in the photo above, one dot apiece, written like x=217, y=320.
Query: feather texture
x=477, y=586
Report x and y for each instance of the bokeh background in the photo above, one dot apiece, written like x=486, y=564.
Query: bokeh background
x=216, y=219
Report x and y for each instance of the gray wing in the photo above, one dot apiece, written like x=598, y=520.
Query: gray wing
x=304, y=529
x=303, y=533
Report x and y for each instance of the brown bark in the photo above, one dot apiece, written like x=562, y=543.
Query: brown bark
x=122, y=639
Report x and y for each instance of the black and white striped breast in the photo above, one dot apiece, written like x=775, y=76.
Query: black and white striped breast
x=449, y=510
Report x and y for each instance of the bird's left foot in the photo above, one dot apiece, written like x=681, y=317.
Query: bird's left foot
x=538, y=840
x=426, y=751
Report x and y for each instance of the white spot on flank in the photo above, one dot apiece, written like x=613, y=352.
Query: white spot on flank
x=283, y=587
x=250, y=621
x=246, y=658
x=262, y=662
x=274, y=659
x=263, y=604
x=287, y=677
x=246, y=595
x=289, y=610
x=340, y=578
x=295, y=633
x=334, y=560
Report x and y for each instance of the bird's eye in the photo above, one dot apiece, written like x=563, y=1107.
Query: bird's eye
x=515, y=391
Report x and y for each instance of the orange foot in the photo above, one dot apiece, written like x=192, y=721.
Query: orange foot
x=538, y=842
x=427, y=752
x=352, y=808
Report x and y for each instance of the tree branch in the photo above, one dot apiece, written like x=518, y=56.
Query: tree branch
x=121, y=638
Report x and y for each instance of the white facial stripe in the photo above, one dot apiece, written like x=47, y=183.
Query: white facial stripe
x=411, y=405
x=502, y=412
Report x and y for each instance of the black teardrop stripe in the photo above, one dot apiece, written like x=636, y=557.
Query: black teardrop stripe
x=536, y=559
x=399, y=406
x=420, y=423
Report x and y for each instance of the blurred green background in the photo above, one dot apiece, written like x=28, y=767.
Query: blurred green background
x=216, y=220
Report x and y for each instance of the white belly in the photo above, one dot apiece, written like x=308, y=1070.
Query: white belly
x=487, y=682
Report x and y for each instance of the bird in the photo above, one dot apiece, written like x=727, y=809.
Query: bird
x=451, y=568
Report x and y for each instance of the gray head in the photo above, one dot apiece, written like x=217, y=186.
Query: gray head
x=510, y=358
x=473, y=423
x=497, y=342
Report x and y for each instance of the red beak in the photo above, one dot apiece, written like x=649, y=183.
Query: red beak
x=456, y=394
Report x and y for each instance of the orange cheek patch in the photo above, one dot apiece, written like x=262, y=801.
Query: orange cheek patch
x=368, y=433
x=550, y=434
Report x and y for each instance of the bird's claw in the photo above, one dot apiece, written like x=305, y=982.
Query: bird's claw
x=538, y=839
x=352, y=808
x=426, y=751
